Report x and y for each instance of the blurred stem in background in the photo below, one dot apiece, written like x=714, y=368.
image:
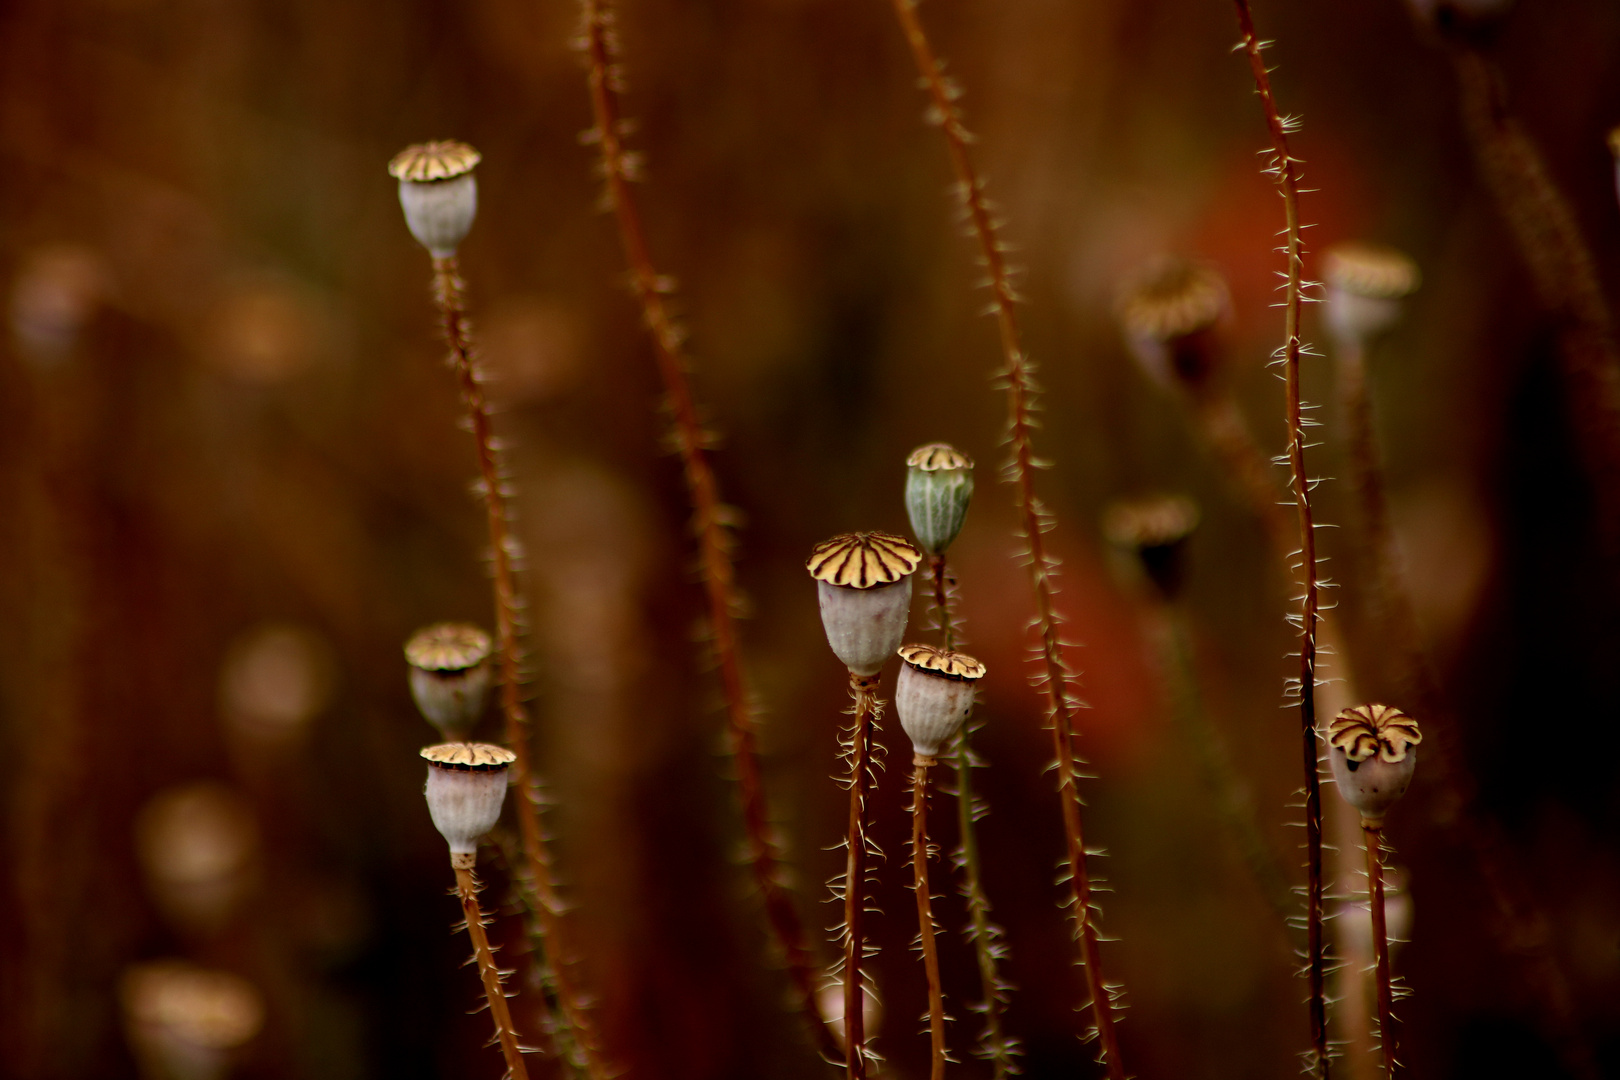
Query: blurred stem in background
x=711, y=519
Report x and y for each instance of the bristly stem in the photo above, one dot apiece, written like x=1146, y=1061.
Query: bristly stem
x=1284, y=169
x=925, y=915
x=1054, y=677
x=467, y=890
x=710, y=518
x=536, y=875
x=863, y=689
x=1373, y=835
x=982, y=933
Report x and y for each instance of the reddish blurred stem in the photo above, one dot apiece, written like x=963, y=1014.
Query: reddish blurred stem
x=536, y=874
x=1374, y=839
x=1284, y=170
x=467, y=890
x=1034, y=522
x=925, y=914
x=709, y=518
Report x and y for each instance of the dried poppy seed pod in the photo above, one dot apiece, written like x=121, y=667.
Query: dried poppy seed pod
x=186, y=1022
x=939, y=484
x=466, y=785
x=1373, y=751
x=1155, y=531
x=438, y=192
x=1365, y=286
x=1170, y=314
x=450, y=676
x=863, y=581
x=934, y=696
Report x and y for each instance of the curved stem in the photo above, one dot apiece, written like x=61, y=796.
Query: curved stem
x=1284, y=169
x=925, y=914
x=1373, y=836
x=864, y=690
x=709, y=519
x=536, y=875
x=1034, y=521
x=467, y=891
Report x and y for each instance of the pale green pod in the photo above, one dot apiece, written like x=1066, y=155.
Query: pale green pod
x=934, y=696
x=466, y=786
x=1366, y=285
x=1372, y=750
x=450, y=676
x=939, y=485
x=438, y=192
x=863, y=585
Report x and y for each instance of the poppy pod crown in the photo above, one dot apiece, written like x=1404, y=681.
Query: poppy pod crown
x=863, y=586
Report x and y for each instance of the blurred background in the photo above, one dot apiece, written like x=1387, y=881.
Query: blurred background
x=234, y=484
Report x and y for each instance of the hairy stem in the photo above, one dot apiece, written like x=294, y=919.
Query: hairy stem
x=536, y=875
x=925, y=915
x=982, y=934
x=467, y=890
x=1054, y=677
x=1284, y=169
x=863, y=689
x=709, y=518
x=1373, y=837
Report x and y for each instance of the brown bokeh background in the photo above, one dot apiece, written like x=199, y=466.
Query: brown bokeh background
x=234, y=483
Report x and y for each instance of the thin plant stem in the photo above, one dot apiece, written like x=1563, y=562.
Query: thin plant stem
x=863, y=689
x=1055, y=676
x=982, y=933
x=710, y=518
x=1284, y=169
x=1236, y=809
x=1374, y=838
x=1563, y=271
x=467, y=890
x=925, y=915
x=536, y=875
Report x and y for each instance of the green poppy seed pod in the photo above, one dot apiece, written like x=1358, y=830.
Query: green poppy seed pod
x=1365, y=286
x=466, y=785
x=1373, y=752
x=438, y=192
x=934, y=696
x=863, y=582
x=1154, y=530
x=939, y=484
x=1171, y=314
x=450, y=676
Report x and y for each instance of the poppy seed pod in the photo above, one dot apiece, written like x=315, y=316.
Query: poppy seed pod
x=1170, y=314
x=863, y=581
x=934, y=696
x=438, y=192
x=939, y=484
x=1373, y=752
x=1155, y=531
x=1365, y=286
x=450, y=676
x=466, y=785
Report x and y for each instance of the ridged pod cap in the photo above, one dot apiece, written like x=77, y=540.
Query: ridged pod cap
x=863, y=582
x=466, y=785
x=1154, y=530
x=939, y=485
x=1170, y=313
x=935, y=695
x=438, y=192
x=450, y=676
x=1365, y=286
x=1373, y=752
